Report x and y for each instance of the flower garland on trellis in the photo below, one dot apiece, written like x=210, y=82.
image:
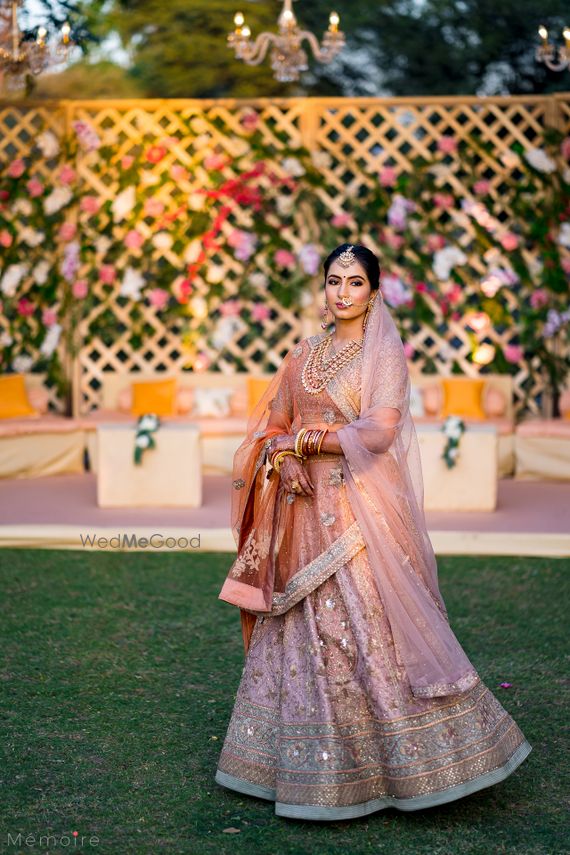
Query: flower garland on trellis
x=259, y=206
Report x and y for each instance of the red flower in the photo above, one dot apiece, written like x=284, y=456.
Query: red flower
x=155, y=153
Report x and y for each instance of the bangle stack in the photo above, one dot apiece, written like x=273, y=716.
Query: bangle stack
x=308, y=441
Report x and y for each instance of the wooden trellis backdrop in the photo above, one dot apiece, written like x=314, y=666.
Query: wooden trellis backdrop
x=371, y=133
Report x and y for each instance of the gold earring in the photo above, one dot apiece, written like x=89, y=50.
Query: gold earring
x=324, y=322
x=367, y=312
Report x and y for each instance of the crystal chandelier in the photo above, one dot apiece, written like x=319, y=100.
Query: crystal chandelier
x=545, y=52
x=20, y=57
x=287, y=55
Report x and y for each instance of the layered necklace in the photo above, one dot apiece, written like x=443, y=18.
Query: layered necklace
x=320, y=367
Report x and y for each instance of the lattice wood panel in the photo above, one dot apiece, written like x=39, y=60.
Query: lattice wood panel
x=360, y=135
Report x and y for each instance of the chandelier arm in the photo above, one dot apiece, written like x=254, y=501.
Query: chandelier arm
x=319, y=54
x=259, y=48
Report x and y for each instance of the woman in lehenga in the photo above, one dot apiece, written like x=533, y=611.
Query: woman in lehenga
x=355, y=694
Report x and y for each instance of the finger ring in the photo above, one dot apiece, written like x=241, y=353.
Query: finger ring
x=295, y=486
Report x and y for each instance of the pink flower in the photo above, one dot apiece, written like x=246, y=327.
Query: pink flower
x=455, y=294
x=285, y=259
x=394, y=241
x=49, y=317
x=443, y=200
x=482, y=187
x=421, y=287
x=538, y=298
x=388, y=176
x=342, y=220
x=230, y=307
x=509, y=241
x=409, y=350
x=513, y=353
x=456, y=316
x=67, y=231
x=566, y=265
x=169, y=141
x=155, y=153
x=178, y=172
x=249, y=121
x=25, y=307
x=67, y=174
x=127, y=161
x=90, y=204
x=435, y=242
x=79, y=288
x=158, y=298
x=505, y=685
x=215, y=161
x=107, y=274
x=6, y=238
x=17, y=167
x=260, y=312
x=565, y=148
x=153, y=207
x=447, y=144
x=35, y=187
x=133, y=239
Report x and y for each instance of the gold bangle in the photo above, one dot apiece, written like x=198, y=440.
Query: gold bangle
x=282, y=455
x=298, y=442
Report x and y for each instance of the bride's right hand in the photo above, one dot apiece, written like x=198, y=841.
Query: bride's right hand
x=292, y=469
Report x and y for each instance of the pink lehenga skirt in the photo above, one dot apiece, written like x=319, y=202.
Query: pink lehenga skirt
x=324, y=723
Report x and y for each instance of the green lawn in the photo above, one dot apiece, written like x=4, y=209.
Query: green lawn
x=118, y=678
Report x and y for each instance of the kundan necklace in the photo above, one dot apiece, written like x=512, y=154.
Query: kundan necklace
x=320, y=368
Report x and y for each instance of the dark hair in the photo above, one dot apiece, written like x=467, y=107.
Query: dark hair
x=366, y=258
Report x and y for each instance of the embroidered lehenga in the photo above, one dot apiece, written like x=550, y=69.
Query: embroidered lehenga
x=331, y=720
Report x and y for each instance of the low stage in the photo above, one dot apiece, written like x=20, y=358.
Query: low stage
x=532, y=518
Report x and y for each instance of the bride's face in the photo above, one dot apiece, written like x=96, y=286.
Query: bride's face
x=351, y=283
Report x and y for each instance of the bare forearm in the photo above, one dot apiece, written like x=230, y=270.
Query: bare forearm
x=331, y=443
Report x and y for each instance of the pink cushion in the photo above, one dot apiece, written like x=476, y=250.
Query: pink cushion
x=433, y=398
x=494, y=402
x=49, y=423
x=504, y=426
x=210, y=426
x=38, y=397
x=545, y=427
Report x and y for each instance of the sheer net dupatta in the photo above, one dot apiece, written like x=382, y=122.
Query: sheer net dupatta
x=383, y=475
x=257, y=530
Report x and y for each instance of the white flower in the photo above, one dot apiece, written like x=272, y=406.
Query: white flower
x=293, y=167
x=132, y=283
x=310, y=259
x=23, y=206
x=239, y=146
x=57, y=199
x=22, y=363
x=510, y=159
x=225, y=330
x=566, y=175
x=440, y=170
x=162, y=240
x=216, y=274
x=142, y=441
x=124, y=203
x=321, y=159
x=51, y=339
x=102, y=244
x=285, y=205
x=198, y=307
x=148, y=422
x=48, y=144
x=453, y=452
x=538, y=158
x=259, y=280
x=564, y=235
x=196, y=201
x=148, y=178
x=31, y=236
x=12, y=277
x=394, y=291
x=307, y=299
x=445, y=259
x=192, y=251
x=5, y=339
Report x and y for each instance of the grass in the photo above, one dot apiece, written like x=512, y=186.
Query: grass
x=119, y=673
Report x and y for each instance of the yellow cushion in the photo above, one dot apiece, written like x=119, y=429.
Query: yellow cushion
x=256, y=386
x=154, y=396
x=462, y=397
x=14, y=401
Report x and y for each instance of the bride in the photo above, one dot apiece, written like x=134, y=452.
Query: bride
x=355, y=694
